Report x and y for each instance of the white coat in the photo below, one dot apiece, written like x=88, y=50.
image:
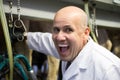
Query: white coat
x=93, y=63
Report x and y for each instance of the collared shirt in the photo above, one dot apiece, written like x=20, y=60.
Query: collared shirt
x=94, y=62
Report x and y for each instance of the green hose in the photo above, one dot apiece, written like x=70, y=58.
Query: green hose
x=20, y=68
x=24, y=59
x=9, y=50
x=27, y=65
x=7, y=38
x=3, y=64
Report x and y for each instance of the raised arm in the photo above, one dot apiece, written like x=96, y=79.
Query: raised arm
x=42, y=42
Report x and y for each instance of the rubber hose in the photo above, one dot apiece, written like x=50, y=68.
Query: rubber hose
x=20, y=68
x=7, y=38
x=24, y=59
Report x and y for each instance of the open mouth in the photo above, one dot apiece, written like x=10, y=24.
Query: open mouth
x=63, y=48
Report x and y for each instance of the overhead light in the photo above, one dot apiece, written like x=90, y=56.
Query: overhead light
x=116, y=1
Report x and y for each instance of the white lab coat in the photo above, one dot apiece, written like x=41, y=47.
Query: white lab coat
x=93, y=62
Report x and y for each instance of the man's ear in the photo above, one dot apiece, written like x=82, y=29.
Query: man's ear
x=87, y=31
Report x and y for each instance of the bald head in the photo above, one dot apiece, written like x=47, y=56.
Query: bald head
x=70, y=32
x=72, y=13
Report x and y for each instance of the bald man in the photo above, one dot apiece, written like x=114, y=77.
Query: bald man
x=70, y=42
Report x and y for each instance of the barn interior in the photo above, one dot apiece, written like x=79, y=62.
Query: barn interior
x=38, y=17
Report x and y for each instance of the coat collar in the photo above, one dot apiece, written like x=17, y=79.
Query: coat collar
x=81, y=62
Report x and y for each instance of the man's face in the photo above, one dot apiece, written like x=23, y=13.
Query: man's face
x=69, y=39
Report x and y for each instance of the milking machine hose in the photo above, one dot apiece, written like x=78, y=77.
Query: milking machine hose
x=7, y=38
x=17, y=58
x=3, y=63
x=20, y=68
x=9, y=49
x=28, y=67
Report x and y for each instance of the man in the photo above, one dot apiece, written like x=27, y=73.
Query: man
x=70, y=42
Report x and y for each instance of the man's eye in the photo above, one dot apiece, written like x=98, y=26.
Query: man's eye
x=68, y=30
x=56, y=30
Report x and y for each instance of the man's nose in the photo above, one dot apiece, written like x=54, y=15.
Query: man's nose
x=60, y=36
